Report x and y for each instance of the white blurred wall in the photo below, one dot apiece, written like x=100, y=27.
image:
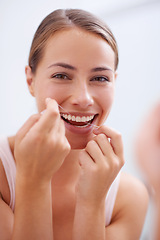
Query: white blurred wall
x=136, y=25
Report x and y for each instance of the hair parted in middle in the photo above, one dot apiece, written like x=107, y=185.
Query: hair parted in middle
x=64, y=19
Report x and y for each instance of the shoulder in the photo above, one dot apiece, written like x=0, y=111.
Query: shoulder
x=132, y=186
x=131, y=204
x=132, y=193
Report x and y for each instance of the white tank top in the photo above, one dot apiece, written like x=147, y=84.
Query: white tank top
x=10, y=170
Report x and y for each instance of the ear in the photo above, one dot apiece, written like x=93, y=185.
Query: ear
x=115, y=75
x=29, y=79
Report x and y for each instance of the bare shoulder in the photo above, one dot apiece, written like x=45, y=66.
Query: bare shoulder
x=133, y=189
x=131, y=206
x=132, y=195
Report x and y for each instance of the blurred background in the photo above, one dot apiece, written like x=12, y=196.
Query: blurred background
x=136, y=26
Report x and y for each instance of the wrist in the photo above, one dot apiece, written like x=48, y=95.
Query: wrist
x=31, y=182
x=89, y=221
x=25, y=186
x=90, y=207
x=92, y=202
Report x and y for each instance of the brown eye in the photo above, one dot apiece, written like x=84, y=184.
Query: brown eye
x=100, y=79
x=61, y=76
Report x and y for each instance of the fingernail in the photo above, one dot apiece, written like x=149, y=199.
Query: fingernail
x=47, y=100
x=42, y=112
x=96, y=130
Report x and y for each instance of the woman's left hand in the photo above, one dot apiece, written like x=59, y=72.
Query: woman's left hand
x=100, y=163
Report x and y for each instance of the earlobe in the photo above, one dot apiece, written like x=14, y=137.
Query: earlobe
x=29, y=79
x=115, y=75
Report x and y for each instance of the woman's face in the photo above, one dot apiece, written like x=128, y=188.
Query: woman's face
x=77, y=70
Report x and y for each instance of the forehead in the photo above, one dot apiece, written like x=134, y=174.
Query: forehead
x=75, y=44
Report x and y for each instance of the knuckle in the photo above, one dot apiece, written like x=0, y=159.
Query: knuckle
x=37, y=138
x=106, y=167
x=101, y=137
x=118, y=135
x=90, y=144
x=67, y=147
x=116, y=164
x=34, y=117
x=122, y=161
x=53, y=113
x=94, y=169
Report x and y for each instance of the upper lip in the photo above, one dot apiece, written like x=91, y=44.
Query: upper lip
x=79, y=114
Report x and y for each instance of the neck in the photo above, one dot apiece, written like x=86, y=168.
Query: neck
x=69, y=171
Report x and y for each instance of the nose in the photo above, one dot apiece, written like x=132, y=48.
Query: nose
x=82, y=96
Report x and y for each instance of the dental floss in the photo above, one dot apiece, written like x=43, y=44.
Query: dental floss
x=69, y=114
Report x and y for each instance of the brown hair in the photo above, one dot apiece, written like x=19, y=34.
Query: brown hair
x=61, y=19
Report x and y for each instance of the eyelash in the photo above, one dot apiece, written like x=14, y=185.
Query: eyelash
x=66, y=77
x=102, y=79
x=61, y=76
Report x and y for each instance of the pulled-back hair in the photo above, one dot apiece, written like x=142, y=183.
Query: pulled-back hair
x=64, y=19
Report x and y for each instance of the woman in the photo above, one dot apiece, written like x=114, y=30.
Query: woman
x=68, y=181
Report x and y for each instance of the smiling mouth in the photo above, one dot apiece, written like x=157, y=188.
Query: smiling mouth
x=78, y=121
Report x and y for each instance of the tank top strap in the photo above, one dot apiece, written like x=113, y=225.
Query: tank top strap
x=110, y=199
x=9, y=167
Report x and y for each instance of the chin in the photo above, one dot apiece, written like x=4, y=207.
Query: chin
x=78, y=146
x=79, y=142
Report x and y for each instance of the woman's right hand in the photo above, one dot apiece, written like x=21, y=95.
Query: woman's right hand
x=41, y=145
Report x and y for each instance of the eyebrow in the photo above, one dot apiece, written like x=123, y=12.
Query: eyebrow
x=99, y=69
x=68, y=66
x=64, y=65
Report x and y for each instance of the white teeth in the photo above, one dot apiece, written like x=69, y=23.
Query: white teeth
x=84, y=119
x=73, y=118
x=78, y=118
x=69, y=117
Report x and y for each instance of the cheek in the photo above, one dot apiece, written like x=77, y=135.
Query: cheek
x=106, y=102
x=53, y=92
x=56, y=94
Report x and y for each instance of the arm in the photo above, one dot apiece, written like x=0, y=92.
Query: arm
x=40, y=149
x=127, y=218
x=100, y=163
x=129, y=211
x=6, y=220
x=33, y=212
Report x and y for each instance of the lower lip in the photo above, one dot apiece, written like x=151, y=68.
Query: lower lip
x=79, y=130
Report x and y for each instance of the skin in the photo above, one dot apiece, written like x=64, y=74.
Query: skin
x=79, y=94
x=148, y=156
x=70, y=172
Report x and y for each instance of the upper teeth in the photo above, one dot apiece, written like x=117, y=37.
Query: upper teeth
x=78, y=118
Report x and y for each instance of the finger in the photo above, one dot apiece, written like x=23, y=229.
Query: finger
x=27, y=126
x=115, y=139
x=50, y=118
x=85, y=159
x=104, y=144
x=61, y=127
x=94, y=151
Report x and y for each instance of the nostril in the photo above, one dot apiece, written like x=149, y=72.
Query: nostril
x=83, y=98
